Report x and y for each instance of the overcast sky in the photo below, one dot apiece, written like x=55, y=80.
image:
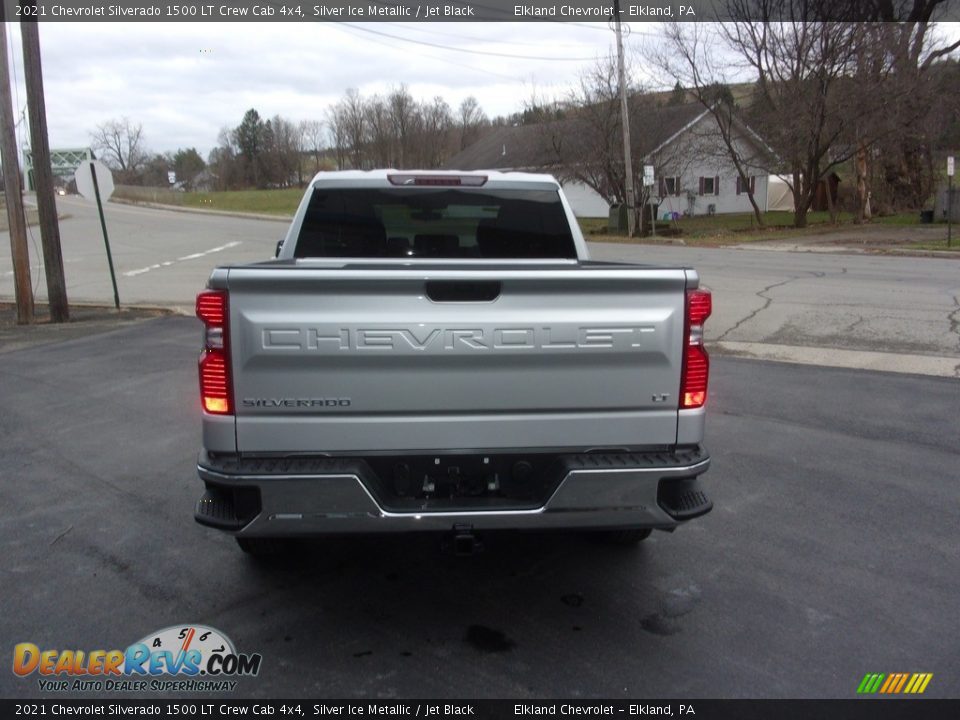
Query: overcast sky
x=185, y=81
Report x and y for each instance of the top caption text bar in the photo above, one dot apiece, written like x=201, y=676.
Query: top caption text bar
x=439, y=11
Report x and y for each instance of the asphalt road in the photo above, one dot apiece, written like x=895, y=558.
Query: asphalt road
x=859, y=303
x=869, y=311
x=832, y=550
x=161, y=257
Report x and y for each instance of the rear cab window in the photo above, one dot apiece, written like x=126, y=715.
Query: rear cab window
x=436, y=223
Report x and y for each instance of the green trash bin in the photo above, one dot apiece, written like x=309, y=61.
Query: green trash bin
x=617, y=220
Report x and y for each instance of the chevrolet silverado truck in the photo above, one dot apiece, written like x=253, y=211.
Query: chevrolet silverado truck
x=436, y=351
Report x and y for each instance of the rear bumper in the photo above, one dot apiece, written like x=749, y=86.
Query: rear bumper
x=312, y=496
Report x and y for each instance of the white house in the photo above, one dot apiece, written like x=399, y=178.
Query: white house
x=696, y=176
x=694, y=173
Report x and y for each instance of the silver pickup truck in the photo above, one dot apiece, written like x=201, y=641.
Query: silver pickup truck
x=435, y=351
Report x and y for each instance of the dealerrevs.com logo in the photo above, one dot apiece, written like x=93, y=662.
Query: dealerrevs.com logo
x=180, y=658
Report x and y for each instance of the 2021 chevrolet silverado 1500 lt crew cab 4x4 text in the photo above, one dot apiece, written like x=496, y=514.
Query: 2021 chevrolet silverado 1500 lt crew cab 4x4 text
x=435, y=351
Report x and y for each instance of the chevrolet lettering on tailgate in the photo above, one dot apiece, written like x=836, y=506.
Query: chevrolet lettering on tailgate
x=515, y=338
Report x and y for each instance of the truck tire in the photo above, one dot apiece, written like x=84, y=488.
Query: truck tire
x=625, y=537
x=262, y=547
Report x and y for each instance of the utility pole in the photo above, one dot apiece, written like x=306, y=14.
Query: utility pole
x=43, y=174
x=950, y=171
x=950, y=210
x=625, y=121
x=19, y=252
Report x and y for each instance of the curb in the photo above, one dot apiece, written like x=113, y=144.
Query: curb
x=929, y=365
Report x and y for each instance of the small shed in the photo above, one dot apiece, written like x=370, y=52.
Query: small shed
x=820, y=201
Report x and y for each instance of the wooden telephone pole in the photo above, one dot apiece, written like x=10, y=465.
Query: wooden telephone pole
x=19, y=252
x=625, y=121
x=43, y=175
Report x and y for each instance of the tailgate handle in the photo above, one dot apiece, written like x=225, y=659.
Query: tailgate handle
x=460, y=291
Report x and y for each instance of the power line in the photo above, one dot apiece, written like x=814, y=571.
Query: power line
x=488, y=53
x=414, y=27
x=425, y=55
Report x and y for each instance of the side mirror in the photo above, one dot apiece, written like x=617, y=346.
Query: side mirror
x=279, y=248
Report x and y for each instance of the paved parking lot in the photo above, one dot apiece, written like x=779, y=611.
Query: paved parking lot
x=832, y=550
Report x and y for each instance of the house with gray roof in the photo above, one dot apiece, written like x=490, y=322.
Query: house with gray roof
x=693, y=171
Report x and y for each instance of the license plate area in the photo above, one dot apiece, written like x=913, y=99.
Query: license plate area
x=437, y=483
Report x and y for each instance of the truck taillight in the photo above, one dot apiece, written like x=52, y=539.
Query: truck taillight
x=215, y=387
x=696, y=362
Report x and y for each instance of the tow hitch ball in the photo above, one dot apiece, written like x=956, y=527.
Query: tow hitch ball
x=462, y=541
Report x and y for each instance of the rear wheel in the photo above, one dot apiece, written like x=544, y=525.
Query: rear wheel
x=625, y=537
x=262, y=547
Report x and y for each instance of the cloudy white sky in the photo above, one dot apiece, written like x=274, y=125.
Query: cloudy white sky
x=185, y=81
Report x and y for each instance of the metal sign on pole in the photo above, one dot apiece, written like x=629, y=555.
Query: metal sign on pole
x=950, y=168
x=95, y=182
x=649, y=181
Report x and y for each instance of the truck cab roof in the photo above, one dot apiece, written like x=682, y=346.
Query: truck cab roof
x=491, y=179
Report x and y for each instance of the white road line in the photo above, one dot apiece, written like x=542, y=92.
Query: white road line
x=39, y=266
x=194, y=256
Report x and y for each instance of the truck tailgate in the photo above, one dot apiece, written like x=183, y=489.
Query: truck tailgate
x=407, y=358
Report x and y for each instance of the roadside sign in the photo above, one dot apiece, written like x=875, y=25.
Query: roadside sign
x=950, y=166
x=171, y=177
x=648, y=175
x=84, y=178
x=95, y=182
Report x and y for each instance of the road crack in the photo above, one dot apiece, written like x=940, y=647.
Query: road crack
x=954, y=318
x=759, y=294
x=851, y=326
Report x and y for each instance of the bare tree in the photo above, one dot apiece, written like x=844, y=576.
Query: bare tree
x=354, y=119
x=437, y=121
x=312, y=140
x=380, y=136
x=801, y=65
x=120, y=144
x=902, y=52
x=594, y=154
x=337, y=122
x=687, y=54
x=471, y=119
x=222, y=160
x=403, y=111
x=283, y=151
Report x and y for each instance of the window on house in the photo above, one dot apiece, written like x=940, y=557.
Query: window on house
x=709, y=186
x=669, y=186
x=742, y=188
